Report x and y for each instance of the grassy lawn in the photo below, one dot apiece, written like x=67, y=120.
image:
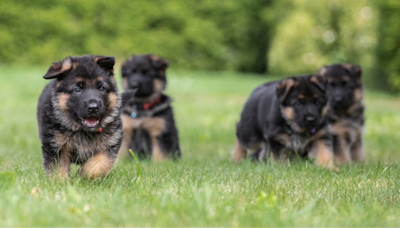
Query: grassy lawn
x=204, y=188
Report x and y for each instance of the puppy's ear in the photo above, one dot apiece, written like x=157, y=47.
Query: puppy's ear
x=106, y=63
x=125, y=68
x=158, y=63
x=354, y=70
x=284, y=87
x=59, y=69
x=319, y=81
x=323, y=70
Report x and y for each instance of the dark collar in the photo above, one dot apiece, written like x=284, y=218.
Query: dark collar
x=150, y=104
x=148, y=109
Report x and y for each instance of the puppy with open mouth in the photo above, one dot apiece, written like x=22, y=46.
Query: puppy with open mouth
x=79, y=117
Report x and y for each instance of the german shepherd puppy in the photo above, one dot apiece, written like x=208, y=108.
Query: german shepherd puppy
x=283, y=117
x=345, y=92
x=147, y=116
x=79, y=117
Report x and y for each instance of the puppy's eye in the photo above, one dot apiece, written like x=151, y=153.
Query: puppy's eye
x=346, y=85
x=144, y=72
x=77, y=89
x=102, y=88
x=330, y=86
x=317, y=102
x=299, y=103
x=133, y=71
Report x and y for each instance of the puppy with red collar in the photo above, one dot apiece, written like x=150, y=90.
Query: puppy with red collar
x=147, y=116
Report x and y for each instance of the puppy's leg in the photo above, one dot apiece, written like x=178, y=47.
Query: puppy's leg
x=357, y=152
x=155, y=127
x=128, y=134
x=97, y=166
x=164, y=138
x=279, y=152
x=285, y=155
x=57, y=163
x=341, y=150
x=259, y=152
x=157, y=153
x=321, y=151
x=262, y=156
x=239, y=152
x=166, y=145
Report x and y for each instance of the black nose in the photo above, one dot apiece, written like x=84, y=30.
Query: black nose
x=338, y=98
x=93, y=107
x=310, y=118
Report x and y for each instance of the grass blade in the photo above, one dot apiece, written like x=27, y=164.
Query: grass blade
x=139, y=170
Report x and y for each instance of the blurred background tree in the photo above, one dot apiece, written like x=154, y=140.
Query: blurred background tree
x=259, y=36
x=317, y=33
x=388, y=49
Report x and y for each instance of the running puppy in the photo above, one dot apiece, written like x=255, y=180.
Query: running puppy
x=79, y=117
x=147, y=116
x=345, y=91
x=285, y=116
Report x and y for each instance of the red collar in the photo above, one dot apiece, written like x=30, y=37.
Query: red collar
x=148, y=105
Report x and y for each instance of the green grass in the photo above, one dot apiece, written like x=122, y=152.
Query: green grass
x=204, y=188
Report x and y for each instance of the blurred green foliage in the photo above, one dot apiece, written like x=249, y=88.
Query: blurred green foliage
x=323, y=32
x=388, y=50
x=208, y=34
x=275, y=36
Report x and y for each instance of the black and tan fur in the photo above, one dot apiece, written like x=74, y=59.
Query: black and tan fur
x=79, y=117
x=283, y=118
x=345, y=92
x=147, y=131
